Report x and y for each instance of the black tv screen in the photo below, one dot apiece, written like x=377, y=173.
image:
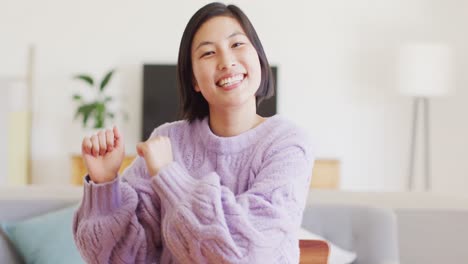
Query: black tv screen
x=161, y=101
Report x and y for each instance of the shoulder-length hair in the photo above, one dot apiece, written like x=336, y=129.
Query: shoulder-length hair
x=192, y=104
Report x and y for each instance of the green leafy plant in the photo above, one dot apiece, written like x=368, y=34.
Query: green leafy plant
x=96, y=110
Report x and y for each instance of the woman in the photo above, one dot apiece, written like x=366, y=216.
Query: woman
x=224, y=185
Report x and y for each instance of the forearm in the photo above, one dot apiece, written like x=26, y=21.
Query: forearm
x=106, y=228
x=148, y=212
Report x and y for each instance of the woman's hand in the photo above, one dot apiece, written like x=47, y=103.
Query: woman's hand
x=103, y=154
x=157, y=153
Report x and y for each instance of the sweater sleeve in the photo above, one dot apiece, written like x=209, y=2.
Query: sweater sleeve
x=207, y=223
x=116, y=221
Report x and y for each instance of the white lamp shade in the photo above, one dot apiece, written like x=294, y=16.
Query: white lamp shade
x=424, y=70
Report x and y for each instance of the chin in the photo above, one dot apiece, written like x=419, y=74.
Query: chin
x=239, y=102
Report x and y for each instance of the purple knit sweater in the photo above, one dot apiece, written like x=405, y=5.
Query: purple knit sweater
x=222, y=200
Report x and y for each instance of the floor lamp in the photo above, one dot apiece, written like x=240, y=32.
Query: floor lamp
x=424, y=72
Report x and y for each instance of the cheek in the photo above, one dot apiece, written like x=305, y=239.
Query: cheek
x=197, y=76
x=200, y=73
x=256, y=70
x=195, y=71
x=254, y=62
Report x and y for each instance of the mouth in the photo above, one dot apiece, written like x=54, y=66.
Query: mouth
x=230, y=81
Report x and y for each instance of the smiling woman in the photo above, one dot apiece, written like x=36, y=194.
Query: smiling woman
x=221, y=58
x=225, y=41
x=223, y=185
x=226, y=69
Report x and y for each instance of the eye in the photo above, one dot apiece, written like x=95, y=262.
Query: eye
x=237, y=44
x=208, y=53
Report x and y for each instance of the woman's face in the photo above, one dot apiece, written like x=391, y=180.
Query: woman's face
x=225, y=64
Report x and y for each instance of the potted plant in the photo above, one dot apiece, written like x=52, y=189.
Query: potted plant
x=97, y=110
x=94, y=114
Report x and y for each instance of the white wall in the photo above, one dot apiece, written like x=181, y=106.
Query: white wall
x=336, y=63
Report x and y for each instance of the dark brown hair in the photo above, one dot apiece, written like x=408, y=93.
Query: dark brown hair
x=192, y=104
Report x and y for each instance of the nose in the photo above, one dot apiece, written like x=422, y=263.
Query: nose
x=226, y=61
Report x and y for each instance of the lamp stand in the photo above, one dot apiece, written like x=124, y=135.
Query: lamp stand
x=427, y=176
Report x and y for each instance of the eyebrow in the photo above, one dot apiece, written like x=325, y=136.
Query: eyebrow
x=204, y=43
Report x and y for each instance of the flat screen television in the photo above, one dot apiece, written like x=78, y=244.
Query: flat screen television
x=161, y=101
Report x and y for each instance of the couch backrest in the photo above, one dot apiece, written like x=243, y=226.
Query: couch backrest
x=19, y=209
x=368, y=231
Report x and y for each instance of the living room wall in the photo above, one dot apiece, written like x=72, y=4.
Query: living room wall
x=336, y=62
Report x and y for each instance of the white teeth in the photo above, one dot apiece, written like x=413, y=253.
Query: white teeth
x=231, y=80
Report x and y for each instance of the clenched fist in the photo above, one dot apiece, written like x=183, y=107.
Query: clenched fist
x=157, y=153
x=103, y=154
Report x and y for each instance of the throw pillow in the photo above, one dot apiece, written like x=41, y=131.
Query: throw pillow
x=337, y=255
x=46, y=238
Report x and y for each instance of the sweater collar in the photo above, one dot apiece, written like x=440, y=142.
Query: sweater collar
x=225, y=145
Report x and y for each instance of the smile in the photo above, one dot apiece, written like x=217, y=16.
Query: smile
x=230, y=81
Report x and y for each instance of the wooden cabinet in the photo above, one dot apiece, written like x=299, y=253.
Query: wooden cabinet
x=326, y=174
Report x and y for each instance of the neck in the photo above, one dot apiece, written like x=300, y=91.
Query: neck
x=233, y=122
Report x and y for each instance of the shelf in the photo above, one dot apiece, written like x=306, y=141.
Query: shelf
x=8, y=78
x=392, y=200
x=41, y=192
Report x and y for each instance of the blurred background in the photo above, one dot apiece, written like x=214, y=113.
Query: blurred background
x=337, y=77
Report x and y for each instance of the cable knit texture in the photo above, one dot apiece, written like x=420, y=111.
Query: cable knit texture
x=222, y=200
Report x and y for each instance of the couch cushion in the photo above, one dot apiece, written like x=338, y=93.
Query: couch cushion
x=46, y=238
x=8, y=252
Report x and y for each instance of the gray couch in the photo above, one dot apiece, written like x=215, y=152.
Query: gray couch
x=368, y=231
x=431, y=228
x=18, y=209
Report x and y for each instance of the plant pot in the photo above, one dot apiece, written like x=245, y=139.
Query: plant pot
x=79, y=169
